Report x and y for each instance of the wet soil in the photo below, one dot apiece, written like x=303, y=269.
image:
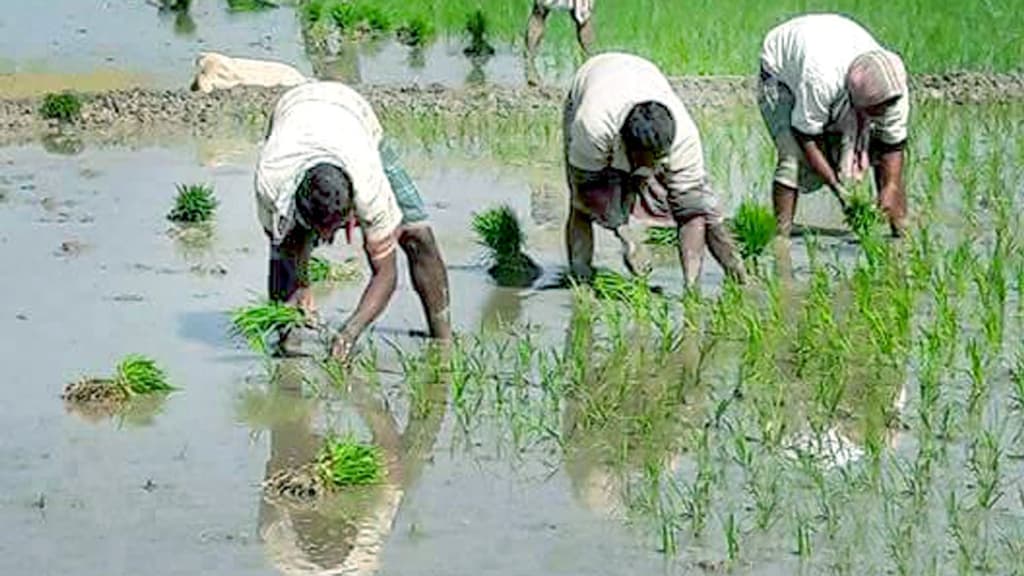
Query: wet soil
x=115, y=114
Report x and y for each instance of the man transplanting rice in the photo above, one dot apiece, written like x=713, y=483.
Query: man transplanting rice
x=631, y=148
x=325, y=166
x=834, y=101
x=581, y=11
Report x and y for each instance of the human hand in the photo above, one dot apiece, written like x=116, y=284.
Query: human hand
x=341, y=348
x=841, y=194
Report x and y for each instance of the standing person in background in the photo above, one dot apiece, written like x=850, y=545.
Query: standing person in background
x=325, y=166
x=581, y=10
x=834, y=102
x=631, y=149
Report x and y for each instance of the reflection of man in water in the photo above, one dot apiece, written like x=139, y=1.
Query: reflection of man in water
x=343, y=539
x=581, y=11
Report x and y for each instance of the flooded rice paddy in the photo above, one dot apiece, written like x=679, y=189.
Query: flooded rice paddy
x=864, y=416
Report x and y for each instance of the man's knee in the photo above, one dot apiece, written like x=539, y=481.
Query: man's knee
x=417, y=241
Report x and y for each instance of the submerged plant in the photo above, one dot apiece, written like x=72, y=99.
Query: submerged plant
x=498, y=230
x=256, y=322
x=64, y=106
x=328, y=271
x=195, y=203
x=346, y=462
x=754, y=227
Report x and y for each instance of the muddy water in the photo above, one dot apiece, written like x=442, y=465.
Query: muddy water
x=132, y=41
x=98, y=277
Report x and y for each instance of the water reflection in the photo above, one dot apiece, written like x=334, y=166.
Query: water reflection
x=343, y=533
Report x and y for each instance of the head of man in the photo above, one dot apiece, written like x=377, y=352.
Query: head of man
x=648, y=133
x=876, y=80
x=324, y=200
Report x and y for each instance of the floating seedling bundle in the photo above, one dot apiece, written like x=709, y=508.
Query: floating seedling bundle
x=343, y=462
x=136, y=376
x=194, y=203
x=257, y=321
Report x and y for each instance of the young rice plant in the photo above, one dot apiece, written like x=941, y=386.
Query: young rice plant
x=346, y=462
x=255, y=322
x=195, y=203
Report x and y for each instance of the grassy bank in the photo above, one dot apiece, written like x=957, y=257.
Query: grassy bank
x=724, y=37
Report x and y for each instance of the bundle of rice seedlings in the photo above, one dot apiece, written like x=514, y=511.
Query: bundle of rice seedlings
x=754, y=227
x=498, y=231
x=862, y=215
x=194, y=203
x=255, y=322
x=137, y=374
x=64, y=106
x=476, y=29
x=343, y=461
x=322, y=270
x=611, y=285
x=662, y=236
x=418, y=31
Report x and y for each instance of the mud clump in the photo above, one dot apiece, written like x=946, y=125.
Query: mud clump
x=303, y=485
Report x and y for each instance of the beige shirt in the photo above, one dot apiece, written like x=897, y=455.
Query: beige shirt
x=603, y=92
x=326, y=122
x=811, y=56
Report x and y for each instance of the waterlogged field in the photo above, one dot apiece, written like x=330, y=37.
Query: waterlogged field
x=856, y=410
x=724, y=37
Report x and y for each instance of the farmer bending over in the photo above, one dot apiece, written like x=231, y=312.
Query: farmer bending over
x=323, y=167
x=631, y=148
x=581, y=11
x=834, y=101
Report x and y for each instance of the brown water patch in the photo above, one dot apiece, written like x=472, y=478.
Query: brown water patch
x=35, y=84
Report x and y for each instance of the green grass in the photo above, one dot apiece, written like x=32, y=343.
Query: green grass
x=137, y=374
x=257, y=321
x=64, y=107
x=343, y=461
x=194, y=203
x=754, y=227
x=322, y=270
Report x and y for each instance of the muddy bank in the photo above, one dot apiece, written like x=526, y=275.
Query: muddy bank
x=108, y=115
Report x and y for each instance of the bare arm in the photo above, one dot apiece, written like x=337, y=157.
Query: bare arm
x=815, y=154
x=289, y=270
x=892, y=198
x=383, y=278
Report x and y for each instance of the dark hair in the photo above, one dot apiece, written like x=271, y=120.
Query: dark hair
x=649, y=126
x=325, y=194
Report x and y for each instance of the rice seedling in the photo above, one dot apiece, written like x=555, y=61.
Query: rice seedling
x=732, y=537
x=498, y=230
x=862, y=215
x=251, y=5
x=1017, y=380
x=63, y=107
x=344, y=461
x=322, y=270
x=609, y=285
x=257, y=321
x=359, y=18
x=984, y=461
x=417, y=32
x=195, y=203
x=137, y=374
x=477, y=30
x=804, y=534
x=662, y=236
x=754, y=227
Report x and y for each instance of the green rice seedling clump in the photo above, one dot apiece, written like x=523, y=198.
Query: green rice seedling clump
x=195, y=203
x=65, y=107
x=360, y=18
x=861, y=214
x=346, y=462
x=137, y=374
x=418, y=31
x=254, y=323
x=754, y=227
x=476, y=28
x=662, y=236
x=611, y=285
x=322, y=270
x=498, y=230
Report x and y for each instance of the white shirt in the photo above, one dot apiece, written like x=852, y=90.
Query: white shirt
x=603, y=92
x=326, y=122
x=811, y=56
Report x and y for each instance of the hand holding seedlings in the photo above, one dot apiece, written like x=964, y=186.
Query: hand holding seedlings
x=349, y=176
